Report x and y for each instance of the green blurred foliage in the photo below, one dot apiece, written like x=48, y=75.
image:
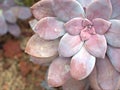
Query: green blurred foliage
x=26, y=2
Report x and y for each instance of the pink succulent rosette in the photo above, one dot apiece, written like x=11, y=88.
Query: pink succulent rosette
x=81, y=38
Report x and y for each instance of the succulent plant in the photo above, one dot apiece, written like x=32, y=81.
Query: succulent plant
x=82, y=40
x=9, y=13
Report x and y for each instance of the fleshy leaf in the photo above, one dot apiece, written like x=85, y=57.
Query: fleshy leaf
x=42, y=9
x=114, y=56
x=38, y=47
x=49, y=28
x=107, y=76
x=85, y=3
x=93, y=80
x=9, y=16
x=101, y=26
x=99, y=9
x=42, y=61
x=21, y=12
x=14, y=30
x=58, y=72
x=67, y=9
x=73, y=84
x=74, y=26
x=24, y=13
x=116, y=9
x=82, y=64
x=113, y=35
x=69, y=45
x=3, y=25
x=96, y=45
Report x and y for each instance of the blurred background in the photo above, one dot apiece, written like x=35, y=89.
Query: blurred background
x=16, y=71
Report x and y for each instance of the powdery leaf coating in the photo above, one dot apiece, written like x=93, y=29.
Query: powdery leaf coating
x=99, y=9
x=9, y=16
x=115, y=9
x=107, y=76
x=49, y=28
x=101, y=26
x=58, y=72
x=82, y=64
x=42, y=9
x=73, y=84
x=115, y=60
x=67, y=9
x=24, y=13
x=3, y=25
x=113, y=35
x=39, y=47
x=96, y=45
x=74, y=26
x=69, y=45
x=42, y=61
x=14, y=30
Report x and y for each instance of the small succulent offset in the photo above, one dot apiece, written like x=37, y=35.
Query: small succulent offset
x=81, y=38
x=10, y=12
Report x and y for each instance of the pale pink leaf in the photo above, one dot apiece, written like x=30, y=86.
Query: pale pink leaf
x=42, y=9
x=101, y=26
x=39, y=47
x=58, y=72
x=49, y=28
x=113, y=35
x=114, y=56
x=69, y=45
x=96, y=45
x=99, y=9
x=74, y=26
x=67, y=9
x=82, y=64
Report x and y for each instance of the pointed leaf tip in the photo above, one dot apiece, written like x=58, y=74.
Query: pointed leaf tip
x=49, y=28
x=96, y=45
x=69, y=45
x=101, y=26
x=82, y=64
